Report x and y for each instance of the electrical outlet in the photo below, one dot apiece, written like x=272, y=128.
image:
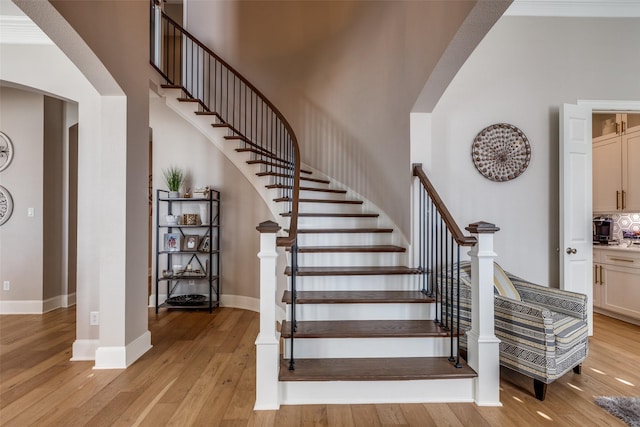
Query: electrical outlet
x=6, y=285
x=94, y=318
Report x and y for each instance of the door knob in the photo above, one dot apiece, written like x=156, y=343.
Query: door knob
x=571, y=251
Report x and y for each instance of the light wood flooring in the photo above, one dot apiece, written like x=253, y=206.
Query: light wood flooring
x=201, y=371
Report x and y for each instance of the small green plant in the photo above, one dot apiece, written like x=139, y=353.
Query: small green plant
x=173, y=176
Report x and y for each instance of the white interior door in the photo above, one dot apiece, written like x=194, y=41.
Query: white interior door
x=576, y=233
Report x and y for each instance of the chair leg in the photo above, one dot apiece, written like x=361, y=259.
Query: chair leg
x=540, y=389
x=577, y=369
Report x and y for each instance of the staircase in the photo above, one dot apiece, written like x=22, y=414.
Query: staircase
x=362, y=325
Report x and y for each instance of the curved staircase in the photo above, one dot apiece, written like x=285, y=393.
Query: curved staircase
x=360, y=327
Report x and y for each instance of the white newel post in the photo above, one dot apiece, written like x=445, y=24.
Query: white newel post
x=157, y=35
x=483, y=345
x=268, y=341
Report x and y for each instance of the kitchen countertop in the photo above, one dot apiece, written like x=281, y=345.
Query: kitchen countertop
x=623, y=247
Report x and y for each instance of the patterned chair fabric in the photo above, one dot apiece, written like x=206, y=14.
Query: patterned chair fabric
x=543, y=336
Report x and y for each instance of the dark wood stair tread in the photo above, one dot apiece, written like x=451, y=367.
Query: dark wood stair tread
x=170, y=86
x=358, y=297
x=352, y=271
x=336, y=201
x=188, y=100
x=322, y=190
x=303, y=178
x=260, y=152
x=365, y=329
x=374, y=369
x=343, y=230
x=333, y=215
x=350, y=249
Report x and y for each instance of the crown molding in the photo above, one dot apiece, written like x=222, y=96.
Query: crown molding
x=576, y=8
x=21, y=30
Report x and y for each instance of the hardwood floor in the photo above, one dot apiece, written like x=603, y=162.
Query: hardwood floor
x=201, y=371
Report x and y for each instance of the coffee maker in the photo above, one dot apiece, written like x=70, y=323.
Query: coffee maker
x=602, y=230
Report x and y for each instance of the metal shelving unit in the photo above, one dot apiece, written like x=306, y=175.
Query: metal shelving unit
x=194, y=247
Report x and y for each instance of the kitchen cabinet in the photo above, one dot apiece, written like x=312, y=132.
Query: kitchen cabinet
x=616, y=283
x=616, y=160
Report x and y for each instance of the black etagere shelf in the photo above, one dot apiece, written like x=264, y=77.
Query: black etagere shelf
x=188, y=251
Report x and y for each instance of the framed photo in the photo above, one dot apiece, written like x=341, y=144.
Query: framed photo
x=172, y=242
x=205, y=246
x=191, y=242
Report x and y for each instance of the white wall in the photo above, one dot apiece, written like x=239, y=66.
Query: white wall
x=178, y=143
x=521, y=73
x=21, y=255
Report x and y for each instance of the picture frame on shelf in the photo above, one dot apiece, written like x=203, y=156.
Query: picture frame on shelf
x=205, y=245
x=172, y=242
x=191, y=242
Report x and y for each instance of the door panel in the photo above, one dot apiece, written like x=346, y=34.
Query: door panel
x=631, y=171
x=576, y=236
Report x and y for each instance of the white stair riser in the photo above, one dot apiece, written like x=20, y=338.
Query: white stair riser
x=306, y=194
x=330, y=348
x=344, y=239
x=350, y=259
x=364, y=392
x=391, y=311
x=374, y=285
x=313, y=184
x=393, y=282
x=319, y=207
x=337, y=222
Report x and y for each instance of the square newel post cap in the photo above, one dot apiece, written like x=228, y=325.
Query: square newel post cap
x=482, y=227
x=268, y=227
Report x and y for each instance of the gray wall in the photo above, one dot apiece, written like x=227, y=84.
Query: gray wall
x=21, y=249
x=178, y=143
x=522, y=73
x=345, y=74
x=53, y=247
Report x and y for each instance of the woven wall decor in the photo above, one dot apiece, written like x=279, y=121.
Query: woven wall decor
x=501, y=152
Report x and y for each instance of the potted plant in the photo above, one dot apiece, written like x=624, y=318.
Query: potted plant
x=174, y=177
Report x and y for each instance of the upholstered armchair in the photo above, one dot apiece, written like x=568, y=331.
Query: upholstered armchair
x=543, y=331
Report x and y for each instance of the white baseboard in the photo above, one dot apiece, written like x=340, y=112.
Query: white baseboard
x=239, y=301
x=21, y=307
x=120, y=357
x=68, y=300
x=37, y=306
x=84, y=350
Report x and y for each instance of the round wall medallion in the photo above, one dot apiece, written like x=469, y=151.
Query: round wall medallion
x=6, y=151
x=501, y=152
x=6, y=205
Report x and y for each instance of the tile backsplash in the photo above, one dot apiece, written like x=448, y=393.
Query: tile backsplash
x=623, y=222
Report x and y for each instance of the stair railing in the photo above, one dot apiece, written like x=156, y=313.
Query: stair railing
x=439, y=244
x=233, y=102
x=237, y=105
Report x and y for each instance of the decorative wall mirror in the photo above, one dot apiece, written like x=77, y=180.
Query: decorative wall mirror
x=501, y=152
x=6, y=151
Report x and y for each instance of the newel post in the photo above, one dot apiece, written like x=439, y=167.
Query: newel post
x=483, y=345
x=268, y=341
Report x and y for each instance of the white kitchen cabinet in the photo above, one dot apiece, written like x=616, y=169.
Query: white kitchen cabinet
x=616, y=283
x=616, y=164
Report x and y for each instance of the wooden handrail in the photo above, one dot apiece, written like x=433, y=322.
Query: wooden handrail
x=286, y=241
x=457, y=234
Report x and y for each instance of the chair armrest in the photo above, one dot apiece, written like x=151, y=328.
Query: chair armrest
x=566, y=302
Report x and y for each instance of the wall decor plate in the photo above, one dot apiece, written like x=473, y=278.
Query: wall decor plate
x=501, y=152
x=6, y=205
x=6, y=151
